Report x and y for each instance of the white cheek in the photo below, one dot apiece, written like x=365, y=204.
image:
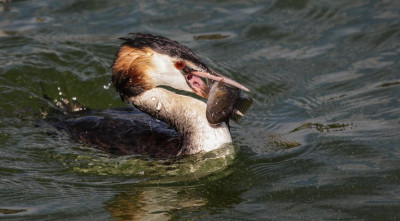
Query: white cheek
x=166, y=74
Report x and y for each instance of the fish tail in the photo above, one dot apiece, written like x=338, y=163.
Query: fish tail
x=241, y=106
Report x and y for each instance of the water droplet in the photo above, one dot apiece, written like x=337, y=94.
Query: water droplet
x=153, y=98
x=107, y=86
x=74, y=98
x=60, y=93
x=159, y=106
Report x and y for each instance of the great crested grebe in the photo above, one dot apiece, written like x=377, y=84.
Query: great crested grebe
x=142, y=64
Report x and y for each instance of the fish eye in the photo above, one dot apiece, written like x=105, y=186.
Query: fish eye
x=180, y=65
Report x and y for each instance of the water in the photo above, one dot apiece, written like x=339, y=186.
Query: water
x=323, y=74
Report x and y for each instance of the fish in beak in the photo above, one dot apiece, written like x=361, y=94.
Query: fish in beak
x=226, y=102
x=224, y=98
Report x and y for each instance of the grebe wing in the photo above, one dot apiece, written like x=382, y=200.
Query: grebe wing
x=123, y=131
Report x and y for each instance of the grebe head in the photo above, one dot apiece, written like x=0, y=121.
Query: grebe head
x=146, y=61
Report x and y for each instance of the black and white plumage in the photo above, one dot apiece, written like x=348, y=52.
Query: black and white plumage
x=142, y=64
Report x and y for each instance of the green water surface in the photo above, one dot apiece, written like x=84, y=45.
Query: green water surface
x=323, y=74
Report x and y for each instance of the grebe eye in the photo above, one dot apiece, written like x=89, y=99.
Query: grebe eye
x=179, y=65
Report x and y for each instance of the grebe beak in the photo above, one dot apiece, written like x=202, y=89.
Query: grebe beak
x=193, y=78
x=221, y=78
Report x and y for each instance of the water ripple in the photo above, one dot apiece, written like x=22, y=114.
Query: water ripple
x=320, y=142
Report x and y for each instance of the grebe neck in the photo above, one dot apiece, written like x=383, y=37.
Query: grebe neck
x=187, y=115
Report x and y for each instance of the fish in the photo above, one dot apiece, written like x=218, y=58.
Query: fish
x=226, y=102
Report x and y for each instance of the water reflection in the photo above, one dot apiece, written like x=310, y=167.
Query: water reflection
x=154, y=203
x=187, y=200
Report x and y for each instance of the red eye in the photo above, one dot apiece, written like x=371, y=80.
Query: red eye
x=179, y=65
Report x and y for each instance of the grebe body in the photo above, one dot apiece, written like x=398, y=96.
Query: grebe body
x=162, y=123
